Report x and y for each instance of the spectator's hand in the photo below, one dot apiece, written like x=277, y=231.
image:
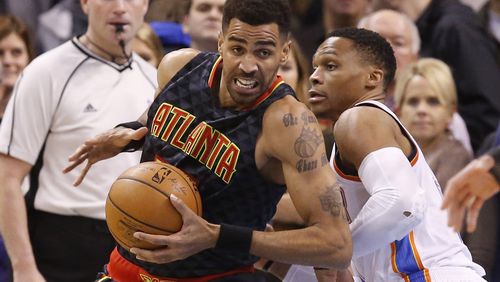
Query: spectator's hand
x=467, y=191
x=101, y=147
x=21, y=275
x=195, y=236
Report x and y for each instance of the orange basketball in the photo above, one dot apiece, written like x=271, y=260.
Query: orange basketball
x=139, y=201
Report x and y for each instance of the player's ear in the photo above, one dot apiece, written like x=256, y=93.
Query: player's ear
x=83, y=4
x=375, y=78
x=220, y=42
x=285, y=51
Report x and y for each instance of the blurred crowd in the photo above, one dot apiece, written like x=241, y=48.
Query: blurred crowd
x=446, y=91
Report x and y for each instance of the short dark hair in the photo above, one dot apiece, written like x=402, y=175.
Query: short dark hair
x=258, y=12
x=373, y=48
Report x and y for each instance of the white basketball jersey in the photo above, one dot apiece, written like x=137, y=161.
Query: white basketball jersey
x=431, y=251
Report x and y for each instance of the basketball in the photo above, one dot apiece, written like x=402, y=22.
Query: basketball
x=139, y=201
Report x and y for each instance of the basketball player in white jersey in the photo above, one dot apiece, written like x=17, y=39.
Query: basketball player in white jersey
x=392, y=197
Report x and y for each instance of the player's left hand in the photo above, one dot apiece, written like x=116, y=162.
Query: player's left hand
x=195, y=236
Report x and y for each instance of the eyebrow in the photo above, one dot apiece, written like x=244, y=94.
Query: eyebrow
x=259, y=42
x=327, y=52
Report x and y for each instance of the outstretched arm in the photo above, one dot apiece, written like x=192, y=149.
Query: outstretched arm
x=467, y=191
x=110, y=143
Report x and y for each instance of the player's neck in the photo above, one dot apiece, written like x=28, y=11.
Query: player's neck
x=113, y=54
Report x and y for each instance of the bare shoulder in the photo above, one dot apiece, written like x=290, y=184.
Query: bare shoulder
x=363, y=119
x=287, y=121
x=274, y=115
x=361, y=130
x=172, y=63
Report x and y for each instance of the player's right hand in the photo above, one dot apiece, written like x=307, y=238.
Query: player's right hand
x=101, y=147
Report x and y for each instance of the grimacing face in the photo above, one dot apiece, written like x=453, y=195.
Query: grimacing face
x=13, y=59
x=251, y=58
x=338, y=78
x=422, y=112
x=104, y=15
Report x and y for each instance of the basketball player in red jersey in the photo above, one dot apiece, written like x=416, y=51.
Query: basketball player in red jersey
x=228, y=120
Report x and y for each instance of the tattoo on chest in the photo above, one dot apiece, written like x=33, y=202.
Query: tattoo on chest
x=331, y=201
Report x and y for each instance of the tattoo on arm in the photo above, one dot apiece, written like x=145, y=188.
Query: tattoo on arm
x=307, y=118
x=331, y=201
x=307, y=143
x=304, y=165
x=289, y=120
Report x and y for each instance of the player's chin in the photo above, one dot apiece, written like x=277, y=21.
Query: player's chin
x=319, y=109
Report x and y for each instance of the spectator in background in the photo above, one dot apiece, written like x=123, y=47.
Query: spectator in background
x=65, y=96
x=490, y=16
x=426, y=100
x=340, y=13
x=16, y=52
x=490, y=20
x=451, y=32
x=60, y=23
x=166, y=11
x=197, y=28
x=147, y=45
x=203, y=23
x=402, y=33
x=316, y=18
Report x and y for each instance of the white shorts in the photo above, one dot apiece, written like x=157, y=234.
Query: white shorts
x=454, y=274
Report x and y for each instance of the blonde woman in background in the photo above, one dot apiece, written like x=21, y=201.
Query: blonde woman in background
x=147, y=45
x=426, y=100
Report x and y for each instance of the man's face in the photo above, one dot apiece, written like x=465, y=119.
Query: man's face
x=338, y=80
x=251, y=58
x=13, y=58
x=105, y=15
x=204, y=20
x=396, y=31
x=347, y=7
